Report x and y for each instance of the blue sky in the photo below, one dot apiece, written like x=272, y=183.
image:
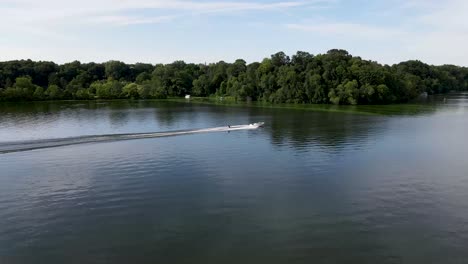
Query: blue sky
x=157, y=31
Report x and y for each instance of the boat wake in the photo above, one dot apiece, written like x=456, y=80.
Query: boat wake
x=16, y=146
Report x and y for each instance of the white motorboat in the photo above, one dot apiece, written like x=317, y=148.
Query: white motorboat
x=256, y=125
x=249, y=126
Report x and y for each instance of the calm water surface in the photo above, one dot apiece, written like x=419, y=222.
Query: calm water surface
x=309, y=187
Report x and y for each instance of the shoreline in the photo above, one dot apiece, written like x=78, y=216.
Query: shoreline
x=376, y=110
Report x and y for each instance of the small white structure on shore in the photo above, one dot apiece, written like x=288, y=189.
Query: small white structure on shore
x=187, y=96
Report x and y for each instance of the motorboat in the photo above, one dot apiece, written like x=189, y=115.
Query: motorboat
x=249, y=126
x=256, y=125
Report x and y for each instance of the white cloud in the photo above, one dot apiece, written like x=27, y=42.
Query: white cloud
x=347, y=29
x=210, y=6
x=52, y=15
x=64, y=30
x=450, y=16
x=58, y=20
x=440, y=33
x=207, y=6
x=435, y=32
x=129, y=20
x=394, y=30
x=34, y=11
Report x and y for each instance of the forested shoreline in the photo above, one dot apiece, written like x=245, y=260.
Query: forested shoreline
x=332, y=78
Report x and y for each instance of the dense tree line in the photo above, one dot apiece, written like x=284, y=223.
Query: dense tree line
x=335, y=77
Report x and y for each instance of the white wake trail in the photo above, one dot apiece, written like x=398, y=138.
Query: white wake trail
x=8, y=147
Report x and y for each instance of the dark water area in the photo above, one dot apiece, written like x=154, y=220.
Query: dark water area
x=367, y=184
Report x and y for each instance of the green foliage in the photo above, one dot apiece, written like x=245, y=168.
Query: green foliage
x=201, y=86
x=53, y=92
x=39, y=93
x=116, y=70
x=24, y=83
x=143, y=77
x=82, y=94
x=335, y=77
x=130, y=91
x=110, y=89
x=22, y=89
x=345, y=93
x=152, y=89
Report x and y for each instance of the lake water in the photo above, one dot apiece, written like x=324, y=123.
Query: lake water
x=375, y=184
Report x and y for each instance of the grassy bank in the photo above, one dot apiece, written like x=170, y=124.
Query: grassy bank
x=393, y=109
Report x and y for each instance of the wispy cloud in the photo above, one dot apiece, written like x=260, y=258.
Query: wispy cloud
x=74, y=11
x=58, y=18
x=449, y=16
x=215, y=6
x=122, y=20
x=433, y=31
x=346, y=29
x=385, y=30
